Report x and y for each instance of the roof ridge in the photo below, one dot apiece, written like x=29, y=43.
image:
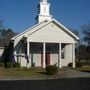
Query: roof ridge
x=27, y=30
x=47, y=22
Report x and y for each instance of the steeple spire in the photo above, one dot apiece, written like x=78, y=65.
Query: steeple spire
x=45, y=1
x=43, y=11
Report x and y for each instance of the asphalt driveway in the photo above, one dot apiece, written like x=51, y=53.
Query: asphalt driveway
x=58, y=84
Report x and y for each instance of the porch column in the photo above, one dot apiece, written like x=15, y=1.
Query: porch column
x=27, y=48
x=28, y=58
x=44, y=55
x=73, y=55
x=59, y=61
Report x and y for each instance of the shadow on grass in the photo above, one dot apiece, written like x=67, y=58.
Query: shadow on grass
x=87, y=71
x=44, y=73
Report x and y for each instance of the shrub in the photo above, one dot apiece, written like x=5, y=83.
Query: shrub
x=33, y=64
x=70, y=65
x=78, y=64
x=1, y=64
x=16, y=65
x=51, y=69
x=9, y=65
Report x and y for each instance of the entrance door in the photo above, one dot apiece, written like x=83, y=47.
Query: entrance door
x=47, y=58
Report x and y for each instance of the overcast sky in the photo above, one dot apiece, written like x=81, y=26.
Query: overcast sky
x=20, y=14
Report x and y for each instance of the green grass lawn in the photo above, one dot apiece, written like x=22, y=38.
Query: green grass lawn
x=34, y=72
x=22, y=72
x=84, y=68
x=27, y=73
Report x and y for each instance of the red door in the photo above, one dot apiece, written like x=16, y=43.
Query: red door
x=47, y=58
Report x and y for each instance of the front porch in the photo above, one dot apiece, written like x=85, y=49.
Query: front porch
x=41, y=54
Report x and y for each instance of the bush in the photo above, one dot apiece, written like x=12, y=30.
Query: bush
x=16, y=65
x=51, y=69
x=1, y=64
x=70, y=65
x=33, y=64
x=9, y=65
x=78, y=64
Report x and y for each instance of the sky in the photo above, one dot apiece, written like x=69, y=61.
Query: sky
x=19, y=15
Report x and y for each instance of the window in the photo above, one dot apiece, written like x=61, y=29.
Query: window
x=62, y=54
x=63, y=51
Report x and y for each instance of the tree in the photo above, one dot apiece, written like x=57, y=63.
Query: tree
x=1, y=27
x=86, y=32
x=8, y=34
x=84, y=49
x=8, y=54
x=5, y=41
x=5, y=35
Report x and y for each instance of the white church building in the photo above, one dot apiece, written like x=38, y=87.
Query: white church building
x=48, y=42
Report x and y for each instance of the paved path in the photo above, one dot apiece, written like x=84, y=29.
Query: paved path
x=58, y=84
x=70, y=73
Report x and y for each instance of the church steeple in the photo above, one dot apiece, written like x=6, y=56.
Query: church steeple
x=45, y=1
x=43, y=11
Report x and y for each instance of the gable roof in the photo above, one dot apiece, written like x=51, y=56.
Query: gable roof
x=44, y=23
x=66, y=29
